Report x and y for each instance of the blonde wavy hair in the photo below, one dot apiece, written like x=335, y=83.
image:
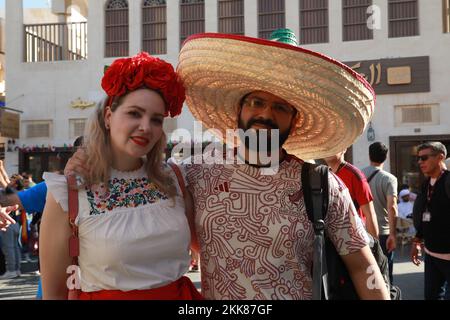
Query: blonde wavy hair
x=97, y=144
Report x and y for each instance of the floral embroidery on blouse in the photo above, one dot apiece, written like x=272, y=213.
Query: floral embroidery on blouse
x=123, y=193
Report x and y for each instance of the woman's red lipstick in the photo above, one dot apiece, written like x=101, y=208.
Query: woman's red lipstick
x=140, y=141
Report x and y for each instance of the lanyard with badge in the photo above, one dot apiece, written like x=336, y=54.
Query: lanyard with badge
x=426, y=216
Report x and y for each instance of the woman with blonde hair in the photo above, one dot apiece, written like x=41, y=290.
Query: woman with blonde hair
x=133, y=231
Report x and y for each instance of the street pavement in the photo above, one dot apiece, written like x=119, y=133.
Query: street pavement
x=406, y=275
x=22, y=288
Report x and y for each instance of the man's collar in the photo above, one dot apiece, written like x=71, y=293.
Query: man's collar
x=283, y=156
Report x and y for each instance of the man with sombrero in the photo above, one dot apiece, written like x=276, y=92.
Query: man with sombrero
x=255, y=237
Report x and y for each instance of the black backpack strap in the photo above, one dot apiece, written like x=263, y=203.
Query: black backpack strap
x=315, y=177
x=373, y=175
x=315, y=190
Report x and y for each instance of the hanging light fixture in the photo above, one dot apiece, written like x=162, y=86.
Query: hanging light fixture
x=370, y=133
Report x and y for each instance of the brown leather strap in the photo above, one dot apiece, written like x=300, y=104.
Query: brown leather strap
x=179, y=176
x=74, y=243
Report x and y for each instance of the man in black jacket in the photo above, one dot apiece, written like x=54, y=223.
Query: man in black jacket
x=432, y=220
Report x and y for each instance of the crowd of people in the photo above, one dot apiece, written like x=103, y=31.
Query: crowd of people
x=19, y=242
x=126, y=222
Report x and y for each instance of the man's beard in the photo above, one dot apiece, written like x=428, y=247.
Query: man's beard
x=262, y=145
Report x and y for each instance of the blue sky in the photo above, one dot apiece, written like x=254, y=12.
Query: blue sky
x=30, y=3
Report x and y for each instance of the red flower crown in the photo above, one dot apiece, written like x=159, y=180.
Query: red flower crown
x=143, y=70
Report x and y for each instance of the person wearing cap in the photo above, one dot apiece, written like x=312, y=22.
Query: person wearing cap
x=412, y=195
x=405, y=206
x=359, y=189
x=133, y=232
x=405, y=210
x=255, y=238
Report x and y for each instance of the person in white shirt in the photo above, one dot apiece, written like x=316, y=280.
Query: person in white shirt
x=405, y=206
x=405, y=210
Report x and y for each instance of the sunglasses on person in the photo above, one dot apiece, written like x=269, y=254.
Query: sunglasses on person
x=425, y=157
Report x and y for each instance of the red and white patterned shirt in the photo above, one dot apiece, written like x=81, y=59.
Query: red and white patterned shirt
x=255, y=236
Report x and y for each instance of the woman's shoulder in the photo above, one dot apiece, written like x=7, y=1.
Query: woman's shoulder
x=55, y=181
x=57, y=186
x=52, y=176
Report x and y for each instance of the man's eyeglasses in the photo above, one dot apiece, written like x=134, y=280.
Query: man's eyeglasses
x=259, y=105
x=425, y=157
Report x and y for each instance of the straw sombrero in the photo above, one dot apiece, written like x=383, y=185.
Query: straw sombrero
x=334, y=102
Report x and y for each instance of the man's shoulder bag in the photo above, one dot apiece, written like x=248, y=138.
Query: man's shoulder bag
x=331, y=280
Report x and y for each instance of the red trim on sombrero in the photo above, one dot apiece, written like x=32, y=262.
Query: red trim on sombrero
x=284, y=46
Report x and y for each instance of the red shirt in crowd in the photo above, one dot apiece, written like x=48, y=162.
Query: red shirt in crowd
x=357, y=185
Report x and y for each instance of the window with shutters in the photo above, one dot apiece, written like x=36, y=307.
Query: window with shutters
x=76, y=127
x=271, y=16
x=314, y=21
x=116, y=28
x=192, y=18
x=231, y=16
x=154, y=26
x=413, y=115
x=403, y=18
x=446, y=15
x=38, y=128
x=354, y=19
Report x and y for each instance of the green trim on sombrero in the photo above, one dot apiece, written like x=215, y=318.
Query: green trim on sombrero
x=285, y=36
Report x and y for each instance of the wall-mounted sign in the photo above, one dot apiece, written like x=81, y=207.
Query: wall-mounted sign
x=78, y=103
x=9, y=124
x=390, y=76
x=399, y=75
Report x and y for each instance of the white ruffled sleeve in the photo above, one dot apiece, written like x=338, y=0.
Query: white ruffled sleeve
x=57, y=186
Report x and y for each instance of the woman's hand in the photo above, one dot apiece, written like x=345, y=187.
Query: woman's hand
x=76, y=165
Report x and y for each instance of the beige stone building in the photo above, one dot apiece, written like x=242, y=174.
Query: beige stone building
x=56, y=57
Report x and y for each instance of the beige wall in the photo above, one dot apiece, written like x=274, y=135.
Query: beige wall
x=38, y=15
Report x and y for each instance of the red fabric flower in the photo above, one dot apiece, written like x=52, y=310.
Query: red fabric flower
x=143, y=70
